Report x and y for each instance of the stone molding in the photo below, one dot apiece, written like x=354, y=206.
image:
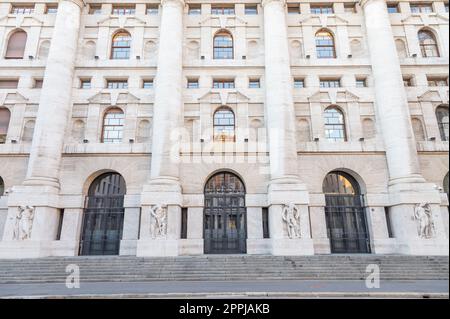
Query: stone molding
x=79, y=3
x=164, y=2
x=266, y=2
x=362, y=3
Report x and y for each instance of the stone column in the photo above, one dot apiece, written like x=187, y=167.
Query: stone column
x=407, y=187
x=164, y=186
x=285, y=186
x=40, y=189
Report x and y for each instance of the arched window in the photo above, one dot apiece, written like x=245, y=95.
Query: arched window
x=325, y=45
x=417, y=126
x=144, y=132
x=446, y=186
x=2, y=187
x=113, y=126
x=442, y=119
x=334, y=124
x=303, y=131
x=345, y=214
x=44, y=49
x=16, y=45
x=369, y=130
x=401, y=48
x=4, y=123
x=78, y=130
x=428, y=44
x=224, y=125
x=223, y=46
x=121, y=46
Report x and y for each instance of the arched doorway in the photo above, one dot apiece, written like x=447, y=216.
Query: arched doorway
x=103, y=216
x=345, y=214
x=225, y=216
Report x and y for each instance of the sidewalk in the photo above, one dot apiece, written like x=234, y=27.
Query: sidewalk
x=232, y=289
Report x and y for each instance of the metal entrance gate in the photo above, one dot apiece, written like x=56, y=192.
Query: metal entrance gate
x=225, y=218
x=103, y=216
x=346, y=224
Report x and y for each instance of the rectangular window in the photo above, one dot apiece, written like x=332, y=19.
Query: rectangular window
x=152, y=9
x=251, y=9
x=147, y=84
x=222, y=9
x=184, y=222
x=408, y=81
x=193, y=84
x=393, y=8
x=195, y=9
x=223, y=84
x=60, y=224
x=254, y=83
x=85, y=83
x=124, y=10
x=437, y=81
x=421, y=8
x=330, y=83
x=293, y=8
x=265, y=222
x=322, y=9
x=299, y=83
x=350, y=7
x=95, y=9
x=9, y=84
x=361, y=82
x=117, y=84
x=51, y=8
x=38, y=83
x=22, y=9
x=388, y=222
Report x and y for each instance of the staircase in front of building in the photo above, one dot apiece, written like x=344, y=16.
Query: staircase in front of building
x=224, y=268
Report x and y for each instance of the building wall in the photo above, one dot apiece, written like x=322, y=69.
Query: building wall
x=84, y=156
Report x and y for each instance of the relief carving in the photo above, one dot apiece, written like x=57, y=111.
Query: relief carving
x=158, y=221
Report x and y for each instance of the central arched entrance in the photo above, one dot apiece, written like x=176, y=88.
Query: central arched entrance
x=225, y=217
x=103, y=216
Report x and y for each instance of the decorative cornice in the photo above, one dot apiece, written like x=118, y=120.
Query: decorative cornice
x=266, y=2
x=362, y=3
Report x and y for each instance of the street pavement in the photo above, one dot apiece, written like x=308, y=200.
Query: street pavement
x=231, y=289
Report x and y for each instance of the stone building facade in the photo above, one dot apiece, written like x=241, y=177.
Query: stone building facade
x=189, y=127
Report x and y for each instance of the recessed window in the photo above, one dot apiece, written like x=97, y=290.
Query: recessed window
x=22, y=9
x=9, y=84
x=113, y=123
x=222, y=9
x=147, y=84
x=121, y=46
x=38, y=83
x=325, y=45
x=223, y=46
x=224, y=125
x=251, y=9
x=254, y=83
x=223, y=84
x=5, y=116
x=421, y=7
x=330, y=83
x=350, y=7
x=95, y=9
x=117, y=84
x=193, y=84
x=124, y=10
x=152, y=9
x=393, y=8
x=85, y=84
x=443, y=119
x=408, y=81
x=16, y=45
x=322, y=9
x=428, y=44
x=334, y=124
x=293, y=8
x=361, y=82
x=299, y=83
x=195, y=9
x=437, y=81
x=51, y=8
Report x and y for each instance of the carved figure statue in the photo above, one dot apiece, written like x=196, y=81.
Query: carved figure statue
x=424, y=219
x=158, y=221
x=23, y=223
x=291, y=216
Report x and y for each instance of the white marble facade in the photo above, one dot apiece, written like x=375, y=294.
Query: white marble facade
x=394, y=147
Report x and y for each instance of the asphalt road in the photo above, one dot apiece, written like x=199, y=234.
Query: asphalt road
x=235, y=289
